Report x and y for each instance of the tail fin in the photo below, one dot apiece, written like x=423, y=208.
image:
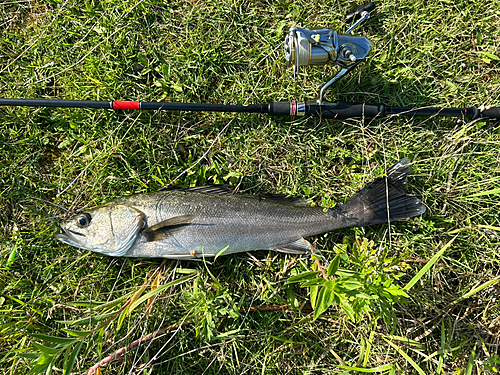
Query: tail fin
x=382, y=200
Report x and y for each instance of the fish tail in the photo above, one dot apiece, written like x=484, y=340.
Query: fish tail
x=381, y=201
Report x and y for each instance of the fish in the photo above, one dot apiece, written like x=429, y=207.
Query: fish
x=211, y=220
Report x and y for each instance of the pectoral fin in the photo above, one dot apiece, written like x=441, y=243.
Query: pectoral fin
x=167, y=228
x=301, y=246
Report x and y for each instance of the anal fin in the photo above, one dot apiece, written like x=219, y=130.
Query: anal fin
x=301, y=246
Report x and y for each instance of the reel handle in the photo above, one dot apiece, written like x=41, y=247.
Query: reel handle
x=357, y=12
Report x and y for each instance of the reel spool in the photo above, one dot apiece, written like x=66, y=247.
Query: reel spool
x=305, y=47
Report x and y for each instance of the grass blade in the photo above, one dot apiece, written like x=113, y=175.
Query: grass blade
x=470, y=363
x=428, y=265
x=74, y=333
x=112, y=303
x=12, y=255
x=482, y=193
x=88, y=320
x=72, y=358
x=407, y=341
x=368, y=348
x=47, y=351
x=440, y=352
x=54, y=339
x=477, y=290
x=406, y=357
x=151, y=299
x=220, y=253
x=154, y=292
x=443, y=346
x=368, y=370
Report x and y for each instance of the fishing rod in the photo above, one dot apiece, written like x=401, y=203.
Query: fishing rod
x=302, y=47
x=327, y=110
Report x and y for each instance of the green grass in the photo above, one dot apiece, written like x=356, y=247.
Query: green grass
x=442, y=53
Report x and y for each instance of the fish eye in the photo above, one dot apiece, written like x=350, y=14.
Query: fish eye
x=83, y=220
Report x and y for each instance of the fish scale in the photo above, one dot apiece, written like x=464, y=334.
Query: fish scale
x=247, y=223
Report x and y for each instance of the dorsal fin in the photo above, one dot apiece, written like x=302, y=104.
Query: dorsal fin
x=229, y=190
x=294, y=201
x=212, y=189
x=167, y=228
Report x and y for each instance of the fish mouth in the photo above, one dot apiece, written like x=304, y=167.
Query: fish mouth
x=70, y=237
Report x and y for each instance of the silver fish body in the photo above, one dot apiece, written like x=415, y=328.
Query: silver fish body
x=205, y=221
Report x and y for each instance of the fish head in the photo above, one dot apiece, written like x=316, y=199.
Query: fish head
x=111, y=229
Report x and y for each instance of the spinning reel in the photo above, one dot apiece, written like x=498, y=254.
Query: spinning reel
x=305, y=47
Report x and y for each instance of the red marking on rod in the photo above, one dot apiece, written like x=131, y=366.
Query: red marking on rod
x=118, y=104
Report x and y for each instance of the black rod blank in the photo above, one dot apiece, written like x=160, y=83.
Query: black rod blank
x=338, y=110
x=55, y=103
x=135, y=105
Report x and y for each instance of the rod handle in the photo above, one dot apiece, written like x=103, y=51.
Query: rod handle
x=279, y=108
x=492, y=112
x=342, y=110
